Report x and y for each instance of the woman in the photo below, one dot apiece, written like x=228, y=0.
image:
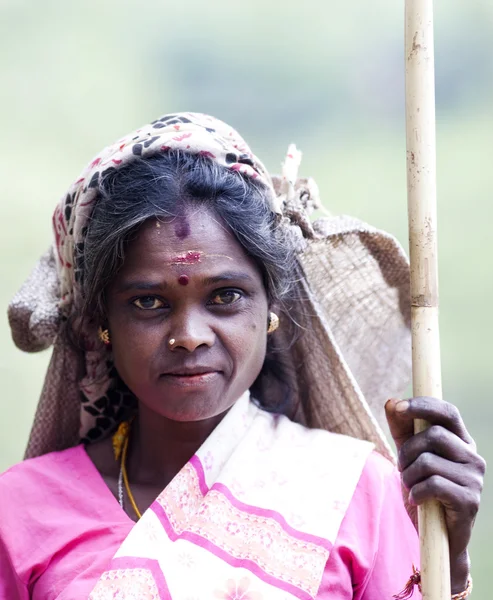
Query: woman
x=198, y=317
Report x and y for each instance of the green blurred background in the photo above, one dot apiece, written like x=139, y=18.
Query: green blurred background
x=328, y=75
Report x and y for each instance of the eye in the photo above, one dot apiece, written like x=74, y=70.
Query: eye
x=226, y=297
x=148, y=303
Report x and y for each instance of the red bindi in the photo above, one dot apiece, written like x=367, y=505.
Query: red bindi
x=183, y=280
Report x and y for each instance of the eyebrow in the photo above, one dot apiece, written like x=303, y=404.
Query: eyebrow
x=227, y=276
x=150, y=286
x=147, y=286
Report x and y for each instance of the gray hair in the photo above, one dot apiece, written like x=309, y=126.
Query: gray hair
x=164, y=185
x=161, y=187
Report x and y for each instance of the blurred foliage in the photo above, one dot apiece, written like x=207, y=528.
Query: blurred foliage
x=328, y=75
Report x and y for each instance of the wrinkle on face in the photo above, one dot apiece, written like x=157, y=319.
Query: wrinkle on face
x=230, y=341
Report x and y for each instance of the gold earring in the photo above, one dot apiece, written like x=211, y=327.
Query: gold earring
x=273, y=322
x=104, y=336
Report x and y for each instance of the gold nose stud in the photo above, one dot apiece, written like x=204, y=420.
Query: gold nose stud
x=172, y=342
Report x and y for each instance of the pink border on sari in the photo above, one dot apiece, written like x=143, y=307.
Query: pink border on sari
x=310, y=550
x=124, y=569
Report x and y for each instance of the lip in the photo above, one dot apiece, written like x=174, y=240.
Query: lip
x=190, y=377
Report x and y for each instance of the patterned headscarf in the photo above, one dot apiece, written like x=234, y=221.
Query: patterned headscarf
x=194, y=133
x=190, y=132
x=83, y=396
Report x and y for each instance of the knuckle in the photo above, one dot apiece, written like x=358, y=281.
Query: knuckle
x=471, y=503
x=425, y=463
x=479, y=481
x=436, y=434
x=480, y=464
x=452, y=412
x=433, y=483
x=426, y=489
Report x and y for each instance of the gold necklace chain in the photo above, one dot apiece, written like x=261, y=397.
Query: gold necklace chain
x=120, y=446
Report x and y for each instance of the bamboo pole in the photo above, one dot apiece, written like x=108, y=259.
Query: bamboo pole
x=421, y=183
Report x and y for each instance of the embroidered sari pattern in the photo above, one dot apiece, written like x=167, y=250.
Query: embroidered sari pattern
x=258, y=503
x=240, y=532
x=131, y=583
x=181, y=499
x=144, y=582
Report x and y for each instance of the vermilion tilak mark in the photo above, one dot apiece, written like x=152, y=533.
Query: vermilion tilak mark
x=190, y=258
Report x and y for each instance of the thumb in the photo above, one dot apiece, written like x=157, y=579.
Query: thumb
x=400, y=424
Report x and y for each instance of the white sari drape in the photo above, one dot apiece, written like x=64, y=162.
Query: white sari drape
x=252, y=516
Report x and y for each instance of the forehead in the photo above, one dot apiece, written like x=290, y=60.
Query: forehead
x=193, y=240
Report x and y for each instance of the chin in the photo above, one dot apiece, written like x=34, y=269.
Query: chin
x=189, y=406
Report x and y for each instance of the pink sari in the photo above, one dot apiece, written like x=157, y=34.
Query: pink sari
x=256, y=511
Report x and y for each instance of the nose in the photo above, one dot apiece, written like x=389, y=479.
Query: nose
x=190, y=332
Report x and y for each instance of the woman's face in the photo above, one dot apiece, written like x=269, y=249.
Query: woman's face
x=187, y=279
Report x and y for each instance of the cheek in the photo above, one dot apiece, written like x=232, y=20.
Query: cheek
x=134, y=345
x=248, y=345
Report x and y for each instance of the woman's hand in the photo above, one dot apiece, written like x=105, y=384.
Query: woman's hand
x=441, y=464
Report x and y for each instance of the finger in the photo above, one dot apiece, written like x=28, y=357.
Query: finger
x=461, y=505
x=401, y=429
x=441, y=442
x=435, y=412
x=463, y=501
x=428, y=465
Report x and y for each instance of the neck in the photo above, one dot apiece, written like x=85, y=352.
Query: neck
x=160, y=447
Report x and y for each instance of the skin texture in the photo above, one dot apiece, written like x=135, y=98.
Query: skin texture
x=440, y=463
x=221, y=325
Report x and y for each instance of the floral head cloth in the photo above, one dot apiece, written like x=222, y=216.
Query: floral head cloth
x=80, y=397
